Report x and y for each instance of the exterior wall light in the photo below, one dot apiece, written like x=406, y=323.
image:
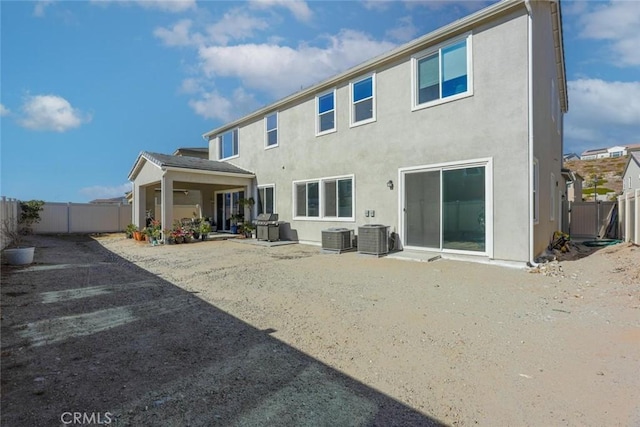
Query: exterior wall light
x=390, y=184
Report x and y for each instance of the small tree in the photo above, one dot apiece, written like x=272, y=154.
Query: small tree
x=29, y=215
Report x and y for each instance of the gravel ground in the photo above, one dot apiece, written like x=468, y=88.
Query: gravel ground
x=224, y=333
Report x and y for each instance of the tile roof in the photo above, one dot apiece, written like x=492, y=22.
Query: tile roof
x=186, y=162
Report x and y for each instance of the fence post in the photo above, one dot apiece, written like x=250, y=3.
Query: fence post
x=636, y=237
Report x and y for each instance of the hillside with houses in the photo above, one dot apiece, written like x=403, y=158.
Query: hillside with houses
x=604, y=166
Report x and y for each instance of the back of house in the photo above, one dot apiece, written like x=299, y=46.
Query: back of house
x=453, y=141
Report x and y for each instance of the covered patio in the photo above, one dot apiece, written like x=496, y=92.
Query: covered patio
x=169, y=188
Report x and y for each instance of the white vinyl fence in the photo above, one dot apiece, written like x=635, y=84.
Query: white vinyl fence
x=590, y=219
x=629, y=218
x=82, y=218
x=8, y=218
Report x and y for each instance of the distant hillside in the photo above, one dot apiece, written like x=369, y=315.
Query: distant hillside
x=609, y=171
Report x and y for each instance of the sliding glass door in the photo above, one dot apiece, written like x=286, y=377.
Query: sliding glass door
x=445, y=208
x=226, y=206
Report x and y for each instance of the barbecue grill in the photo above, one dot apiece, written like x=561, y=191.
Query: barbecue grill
x=268, y=227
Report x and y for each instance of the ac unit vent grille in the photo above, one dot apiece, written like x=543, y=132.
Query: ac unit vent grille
x=373, y=239
x=337, y=239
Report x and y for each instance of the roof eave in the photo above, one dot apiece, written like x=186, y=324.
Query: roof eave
x=210, y=172
x=556, y=14
x=137, y=166
x=458, y=26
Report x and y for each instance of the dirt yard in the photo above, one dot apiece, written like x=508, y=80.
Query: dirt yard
x=231, y=334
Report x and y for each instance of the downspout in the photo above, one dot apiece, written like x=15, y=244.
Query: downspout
x=527, y=4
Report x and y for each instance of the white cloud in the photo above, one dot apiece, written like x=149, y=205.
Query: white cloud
x=281, y=70
x=404, y=31
x=172, y=6
x=377, y=5
x=39, y=8
x=603, y=111
x=105, y=192
x=4, y=111
x=616, y=22
x=212, y=105
x=190, y=86
x=178, y=35
x=235, y=25
x=51, y=112
x=298, y=8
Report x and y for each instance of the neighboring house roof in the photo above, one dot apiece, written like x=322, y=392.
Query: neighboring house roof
x=633, y=147
x=634, y=156
x=111, y=201
x=594, y=151
x=164, y=161
x=481, y=17
x=570, y=156
x=201, y=152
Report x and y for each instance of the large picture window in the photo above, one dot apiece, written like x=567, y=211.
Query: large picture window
x=443, y=73
x=228, y=144
x=326, y=113
x=363, y=100
x=325, y=198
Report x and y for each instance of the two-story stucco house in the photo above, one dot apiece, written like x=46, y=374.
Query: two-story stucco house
x=453, y=140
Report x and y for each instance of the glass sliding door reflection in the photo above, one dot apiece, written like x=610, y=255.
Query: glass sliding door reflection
x=463, y=209
x=422, y=209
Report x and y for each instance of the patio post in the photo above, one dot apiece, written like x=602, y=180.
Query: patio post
x=166, y=203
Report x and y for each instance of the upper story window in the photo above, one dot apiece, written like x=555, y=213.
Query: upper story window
x=363, y=101
x=271, y=129
x=326, y=109
x=443, y=73
x=228, y=145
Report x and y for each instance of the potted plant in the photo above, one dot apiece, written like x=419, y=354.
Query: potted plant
x=131, y=228
x=205, y=229
x=236, y=220
x=17, y=254
x=153, y=232
x=247, y=229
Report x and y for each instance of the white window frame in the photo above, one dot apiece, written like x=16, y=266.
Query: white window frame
x=536, y=191
x=487, y=163
x=352, y=112
x=335, y=116
x=321, y=201
x=233, y=131
x=264, y=187
x=438, y=48
x=267, y=130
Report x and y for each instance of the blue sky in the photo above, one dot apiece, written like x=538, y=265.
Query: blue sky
x=86, y=85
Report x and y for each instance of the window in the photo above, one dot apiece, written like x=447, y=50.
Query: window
x=326, y=113
x=536, y=193
x=363, y=101
x=266, y=199
x=443, y=73
x=271, y=128
x=325, y=198
x=228, y=145
x=338, y=198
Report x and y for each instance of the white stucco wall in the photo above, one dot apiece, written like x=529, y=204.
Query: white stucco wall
x=547, y=134
x=490, y=124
